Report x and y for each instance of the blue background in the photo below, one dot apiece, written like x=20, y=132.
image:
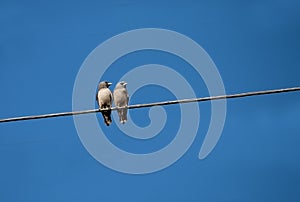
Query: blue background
x=255, y=46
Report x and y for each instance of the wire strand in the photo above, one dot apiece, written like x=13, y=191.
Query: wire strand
x=248, y=94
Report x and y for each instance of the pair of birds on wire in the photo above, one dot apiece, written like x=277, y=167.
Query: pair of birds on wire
x=105, y=98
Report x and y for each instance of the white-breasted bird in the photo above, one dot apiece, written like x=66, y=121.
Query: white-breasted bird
x=121, y=99
x=104, y=98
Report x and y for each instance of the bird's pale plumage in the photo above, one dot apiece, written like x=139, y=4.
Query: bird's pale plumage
x=121, y=99
x=104, y=99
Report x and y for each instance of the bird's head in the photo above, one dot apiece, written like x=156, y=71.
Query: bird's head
x=122, y=83
x=104, y=84
x=107, y=84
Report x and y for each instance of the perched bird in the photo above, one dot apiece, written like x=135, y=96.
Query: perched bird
x=104, y=99
x=121, y=99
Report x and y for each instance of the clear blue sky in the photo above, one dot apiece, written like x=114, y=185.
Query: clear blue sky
x=255, y=46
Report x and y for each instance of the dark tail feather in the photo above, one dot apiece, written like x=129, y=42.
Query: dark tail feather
x=106, y=117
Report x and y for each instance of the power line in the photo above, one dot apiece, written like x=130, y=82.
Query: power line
x=23, y=118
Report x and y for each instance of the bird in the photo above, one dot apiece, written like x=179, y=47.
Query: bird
x=121, y=99
x=104, y=98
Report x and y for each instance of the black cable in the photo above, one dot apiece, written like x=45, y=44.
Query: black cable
x=265, y=92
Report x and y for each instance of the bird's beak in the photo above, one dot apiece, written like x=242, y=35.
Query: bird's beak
x=109, y=84
x=125, y=84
